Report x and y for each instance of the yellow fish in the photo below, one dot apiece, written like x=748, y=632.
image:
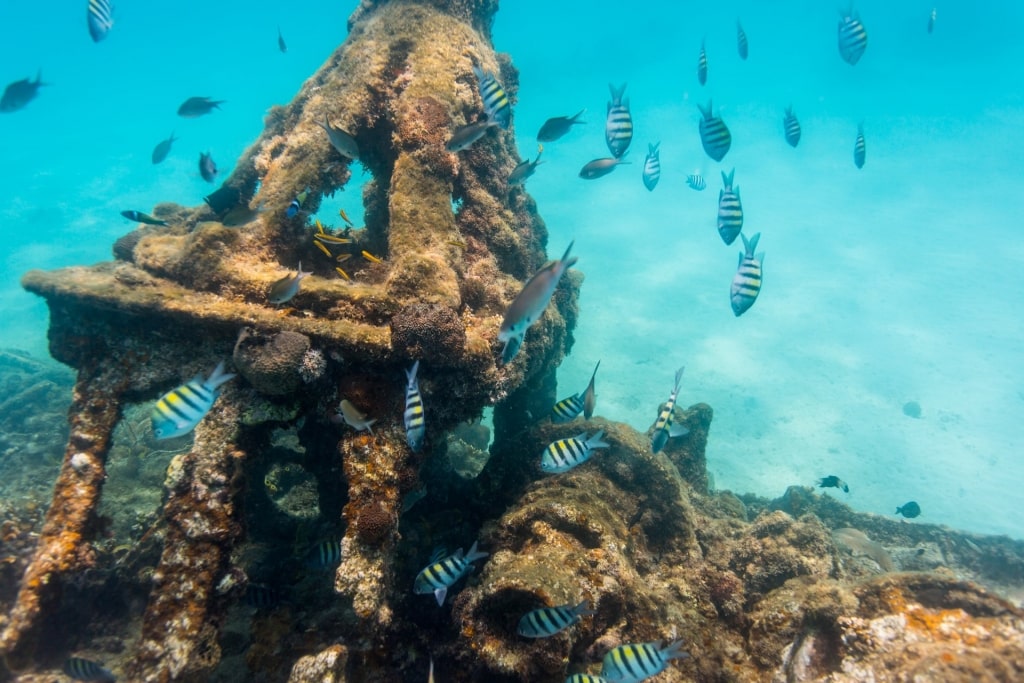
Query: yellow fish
x=323, y=248
x=331, y=238
x=371, y=258
x=343, y=273
x=344, y=216
x=458, y=243
x=319, y=226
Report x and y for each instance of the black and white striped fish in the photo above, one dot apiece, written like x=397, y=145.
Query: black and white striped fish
x=324, y=555
x=415, y=426
x=567, y=410
x=791, y=126
x=495, y=99
x=714, y=134
x=179, y=411
x=702, y=65
x=730, y=209
x=696, y=182
x=565, y=454
x=437, y=577
x=634, y=662
x=859, y=148
x=853, y=38
x=663, y=426
x=547, y=621
x=261, y=596
x=746, y=283
x=618, y=125
x=741, y=40
x=82, y=669
x=652, y=166
x=100, y=17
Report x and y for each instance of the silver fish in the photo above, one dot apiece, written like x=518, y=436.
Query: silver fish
x=529, y=304
x=340, y=140
x=600, y=167
x=353, y=418
x=284, y=289
x=207, y=167
x=464, y=136
x=652, y=167
x=746, y=283
x=162, y=149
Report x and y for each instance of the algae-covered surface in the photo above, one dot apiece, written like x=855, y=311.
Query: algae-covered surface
x=280, y=539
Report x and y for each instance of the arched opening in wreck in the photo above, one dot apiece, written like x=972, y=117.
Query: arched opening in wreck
x=469, y=445
x=349, y=199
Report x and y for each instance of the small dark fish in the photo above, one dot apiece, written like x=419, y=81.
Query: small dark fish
x=853, y=38
x=909, y=510
x=324, y=555
x=746, y=283
x=834, y=482
x=280, y=42
x=859, y=147
x=696, y=182
x=496, y=102
x=600, y=167
x=792, y=127
x=296, y=204
x=741, y=40
x=464, y=136
x=162, y=149
x=702, y=65
x=340, y=140
x=19, y=93
x=618, y=125
x=82, y=669
x=652, y=167
x=207, y=168
x=589, y=397
x=558, y=126
x=714, y=134
x=100, y=17
x=730, y=209
x=140, y=217
x=194, y=107
x=931, y=20
x=524, y=169
x=261, y=596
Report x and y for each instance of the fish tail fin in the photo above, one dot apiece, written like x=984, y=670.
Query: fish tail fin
x=475, y=554
x=653, y=149
x=410, y=374
x=674, y=650
x=368, y=427
x=596, y=442
x=582, y=609
x=727, y=179
x=705, y=112
x=218, y=377
x=679, y=378
x=565, y=256
x=575, y=119
x=594, y=374
x=617, y=93
x=750, y=245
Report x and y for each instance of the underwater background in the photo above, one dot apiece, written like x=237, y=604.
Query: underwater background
x=893, y=284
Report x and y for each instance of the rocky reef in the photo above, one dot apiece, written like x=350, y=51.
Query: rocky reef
x=278, y=543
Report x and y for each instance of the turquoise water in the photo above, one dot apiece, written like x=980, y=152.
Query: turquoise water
x=893, y=283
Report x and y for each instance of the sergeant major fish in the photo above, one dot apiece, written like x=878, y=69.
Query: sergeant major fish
x=791, y=126
x=652, y=167
x=618, y=125
x=853, y=38
x=702, y=65
x=529, y=304
x=746, y=283
x=19, y=93
x=179, y=411
x=714, y=134
x=439, y=576
x=730, y=209
x=344, y=143
x=589, y=397
x=82, y=669
x=195, y=107
x=859, y=147
x=494, y=97
x=162, y=149
x=100, y=18
x=558, y=126
x=324, y=555
x=547, y=621
x=463, y=137
x=415, y=425
x=696, y=182
x=599, y=168
x=207, y=167
x=663, y=426
x=564, y=454
x=140, y=217
x=634, y=662
x=287, y=287
x=741, y=41
x=586, y=678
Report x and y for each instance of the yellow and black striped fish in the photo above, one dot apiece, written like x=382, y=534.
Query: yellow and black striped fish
x=714, y=134
x=663, y=426
x=746, y=283
x=324, y=555
x=547, y=621
x=100, y=17
x=702, y=65
x=618, y=125
x=567, y=410
x=495, y=99
x=792, y=127
x=415, y=425
x=741, y=40
x=564, y=454
x=82, y=669
x=859, y=147
x=853, y=38
x=635, y=662
x=437, y=577
x=730, y=209
x=180, y=410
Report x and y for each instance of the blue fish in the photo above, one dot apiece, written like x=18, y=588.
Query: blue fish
x=415, y=426
x=696, y=182
x=82, y=669
x=652, y=166
x=565, y=454
x=529, y=304
x=100, y=17
x=180, y=410
x=547, y=621
x=635, y=662
x=439, y=576
x=853, y=38
x=663, y=426
x=495, y=99
x=746, y=284
x=296, y=204
x=618, y=126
